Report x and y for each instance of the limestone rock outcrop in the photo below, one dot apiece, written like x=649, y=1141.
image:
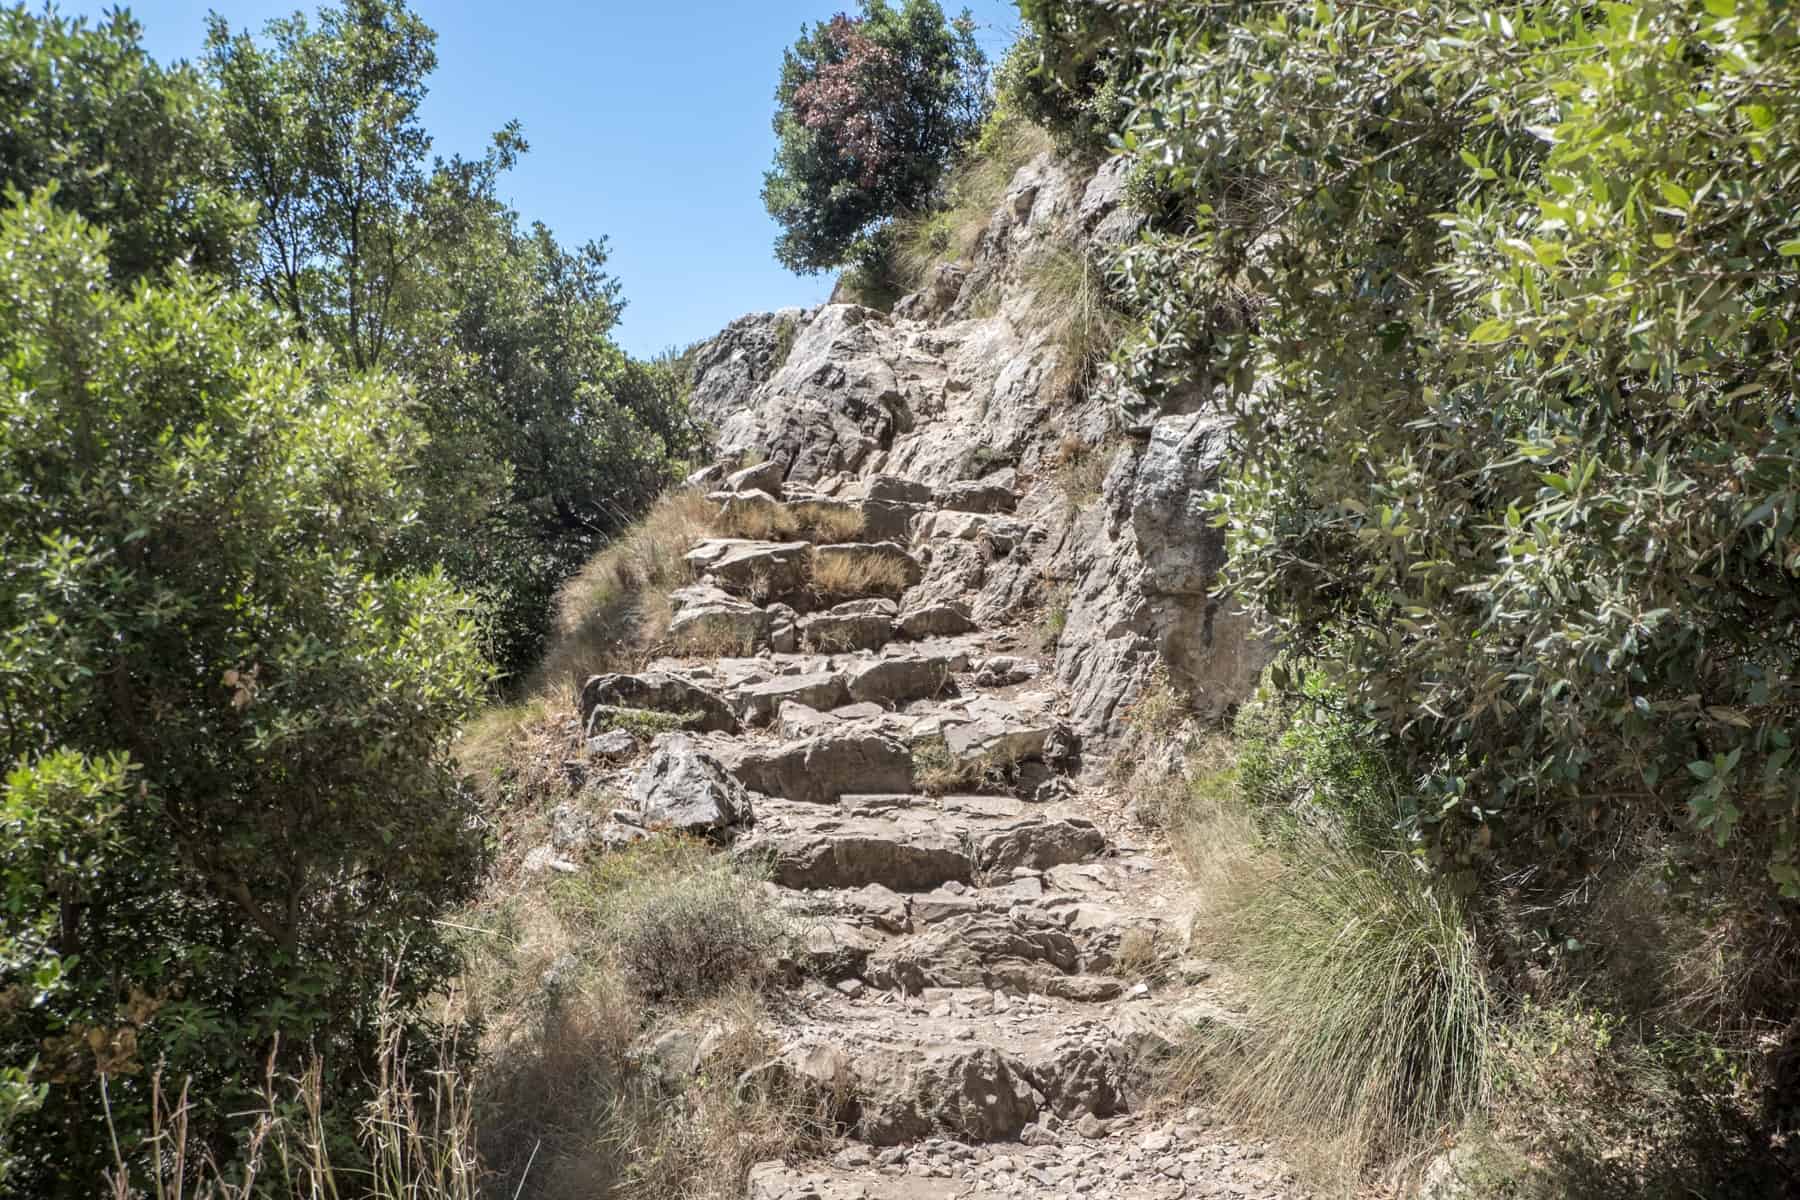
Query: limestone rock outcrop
x=947, y=422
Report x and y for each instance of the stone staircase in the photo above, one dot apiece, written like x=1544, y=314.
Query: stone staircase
x=989, y=969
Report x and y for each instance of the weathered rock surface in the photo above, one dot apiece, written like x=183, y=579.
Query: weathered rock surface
x=686, y=790
x=982, y=982
x=660, y=692
x=820, y=769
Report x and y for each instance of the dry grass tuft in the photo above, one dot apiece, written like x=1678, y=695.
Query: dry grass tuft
x=937, y=772
x=414, y=1140
x=974, y=190
x=1079, y=469
x=1071, y=301
x=825, y=522
x=774, y=522
x=1371, y=1027
x=852, y=574
x=610, y=614
x=570, y=982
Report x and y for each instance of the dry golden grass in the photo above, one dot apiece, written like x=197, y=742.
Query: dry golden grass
x=610, y=614
x=568, y=981
x=758, y=522
x=849, y=574
x=828, y=522
x=709, y=638
x=974, y=190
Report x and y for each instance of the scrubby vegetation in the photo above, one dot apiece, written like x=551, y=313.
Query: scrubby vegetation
x=302, y=430
x=1500, y=332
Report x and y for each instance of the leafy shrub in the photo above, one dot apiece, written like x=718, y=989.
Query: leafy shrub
x=227, y=713
x=682, y=923
x=871, y=111
x=1306, y=766
x=1486, y=441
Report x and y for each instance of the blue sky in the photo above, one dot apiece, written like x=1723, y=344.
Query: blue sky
x=648, y=123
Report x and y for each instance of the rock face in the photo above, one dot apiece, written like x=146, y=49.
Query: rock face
x=987, y=968
x=686, y=790
x=954, y=414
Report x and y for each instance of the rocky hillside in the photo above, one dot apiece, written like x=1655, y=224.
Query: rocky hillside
x=901, y=668
x=966, y=392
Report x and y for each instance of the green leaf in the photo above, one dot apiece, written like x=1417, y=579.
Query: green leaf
x=1789, y=249
x=1677, y=195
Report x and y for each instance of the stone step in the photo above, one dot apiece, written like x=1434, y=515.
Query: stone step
x=803, y=575
x=754, y=689
x=909, y=843
x=1042, y=932
x=973, y=1064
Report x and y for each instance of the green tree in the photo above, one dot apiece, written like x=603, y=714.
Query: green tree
x=226, y=703
x=132, y=146
x=871, y=111
x=540, y=445
x=577, y=438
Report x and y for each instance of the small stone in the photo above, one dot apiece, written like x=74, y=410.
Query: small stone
x=613, y=745
x=852, y=987
x=1140, y=991
x=1090, y=1126
x=1156, y=1143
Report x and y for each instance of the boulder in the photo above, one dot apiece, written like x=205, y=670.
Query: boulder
x=903, y=850
x=991, y=738
x=758, y=703
x=823, y=768
x=903, y=677
x=711, y=621
x=976, y=1093
x=614, y=745
x=661, y=692
x=761, y=571
x=946, y=618
x=764, y=477
x=1040, y=844
x=686, y=790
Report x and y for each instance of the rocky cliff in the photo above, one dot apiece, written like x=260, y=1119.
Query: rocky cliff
x=968, y=384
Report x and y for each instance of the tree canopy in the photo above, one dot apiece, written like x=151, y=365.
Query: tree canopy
x=871, y=110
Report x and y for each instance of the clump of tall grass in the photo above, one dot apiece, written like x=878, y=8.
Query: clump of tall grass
x=1071, y=300
x=414, y=1137
x=617, y=607
x=1371, y=1021
x=1371, y=1025
x=850, y=574
x=975, y=188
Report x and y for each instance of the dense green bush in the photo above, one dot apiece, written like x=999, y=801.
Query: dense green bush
x=871, y=111
x=226, y=704
x=133, y=146
x=1512, y=387
x=545, y=438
